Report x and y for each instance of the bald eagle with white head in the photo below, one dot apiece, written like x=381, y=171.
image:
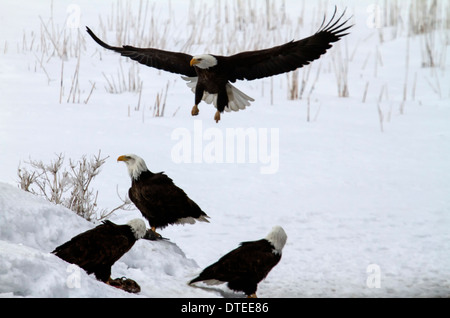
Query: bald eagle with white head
x=97, y=250
x=210, y=76
x=160, y=201
x=246, y=266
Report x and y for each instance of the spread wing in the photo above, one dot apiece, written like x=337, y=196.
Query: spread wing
x=287, y=57
x=173, y=62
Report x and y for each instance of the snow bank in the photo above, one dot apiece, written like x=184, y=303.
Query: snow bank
x=30, y=228
x=32, y=221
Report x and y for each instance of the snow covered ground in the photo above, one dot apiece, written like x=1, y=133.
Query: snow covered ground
x=361, y=189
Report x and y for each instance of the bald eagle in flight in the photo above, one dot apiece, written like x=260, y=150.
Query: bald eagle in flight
x=160, y=201
x=244, y=267
x=97, y=250
x=210, y=75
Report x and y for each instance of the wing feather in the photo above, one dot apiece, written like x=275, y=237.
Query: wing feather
x=289, y=56
x=174, y=62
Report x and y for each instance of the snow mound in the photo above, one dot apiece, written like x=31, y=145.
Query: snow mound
x=32, y=221
x=29, y=272
x=31, y=227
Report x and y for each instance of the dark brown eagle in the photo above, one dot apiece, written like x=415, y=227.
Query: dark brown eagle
x=97, y=250
x=244, y=267
x=210, y=75
x=160, y=201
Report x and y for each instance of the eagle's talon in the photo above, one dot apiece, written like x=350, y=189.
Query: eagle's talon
x=217, y=116
x=195, y=110
x=152, y=235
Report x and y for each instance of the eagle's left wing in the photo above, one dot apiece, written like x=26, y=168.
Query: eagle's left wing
x=287, y=57
x=174, y=62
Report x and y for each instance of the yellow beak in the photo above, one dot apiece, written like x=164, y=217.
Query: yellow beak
x=122, y=158
x=194, y=62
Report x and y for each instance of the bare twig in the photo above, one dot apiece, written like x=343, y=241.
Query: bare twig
x=53, y=182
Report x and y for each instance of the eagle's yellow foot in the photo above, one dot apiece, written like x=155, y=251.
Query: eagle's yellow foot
x=252, y=296
x=217, y=116
x=195, y=110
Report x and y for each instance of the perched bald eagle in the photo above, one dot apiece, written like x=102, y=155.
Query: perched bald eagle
x=160, y=201
x=247, y=265
x=97, y=250
x=210, y=75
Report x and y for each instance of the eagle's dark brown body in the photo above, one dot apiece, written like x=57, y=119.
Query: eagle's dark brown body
x=244, y=267
x=213, y=81
x=161, y=202
x=97, y=250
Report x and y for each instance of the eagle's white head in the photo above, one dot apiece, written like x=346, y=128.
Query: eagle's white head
x=138, y=228
x=135, y=164
x=277, y=237
x=204, y=61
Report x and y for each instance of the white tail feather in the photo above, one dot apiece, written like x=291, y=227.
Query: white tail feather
x=237, y=100
x=191, y=220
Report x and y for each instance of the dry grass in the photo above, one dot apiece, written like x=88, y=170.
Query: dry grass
x=228, y=27
x=69, y=186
